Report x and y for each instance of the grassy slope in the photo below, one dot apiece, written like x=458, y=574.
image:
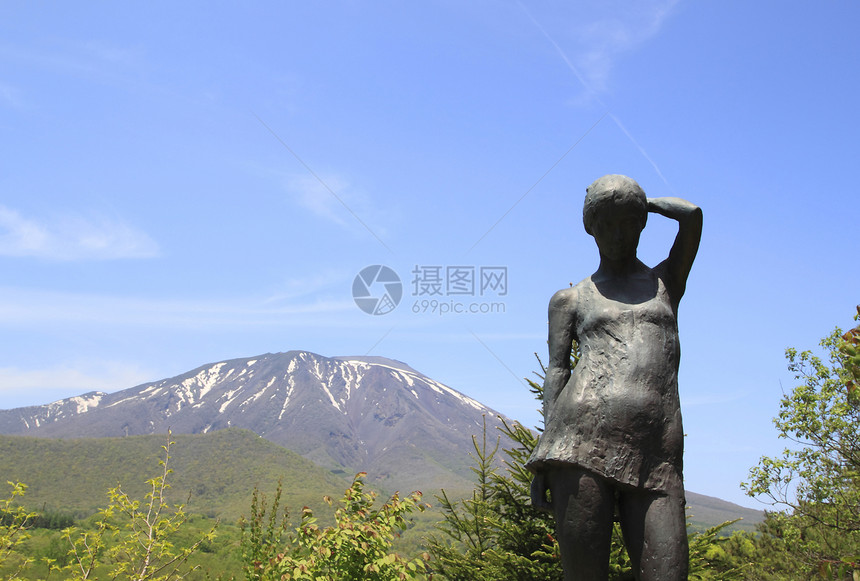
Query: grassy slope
x=213, y=474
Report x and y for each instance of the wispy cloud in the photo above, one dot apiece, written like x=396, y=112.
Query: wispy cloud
x=10, y=96
x=313, y=195
x=335, y=199
x=91, y=58
x=64, y=380
x=603, y=40
x=313, y=187
x=102, y=51
x=72, y=238
x=598, y=40
x=600, y=33
x=34, y=307
x=313, y=284
x=315, y=192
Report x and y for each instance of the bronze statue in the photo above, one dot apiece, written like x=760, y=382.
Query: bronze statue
x=613, y=441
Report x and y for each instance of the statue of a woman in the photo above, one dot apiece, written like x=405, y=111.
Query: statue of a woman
x=613, y=441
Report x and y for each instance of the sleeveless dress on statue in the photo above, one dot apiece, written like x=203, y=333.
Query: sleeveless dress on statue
x=619, y=414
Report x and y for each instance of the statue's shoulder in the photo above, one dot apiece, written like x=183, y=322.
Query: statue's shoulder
x=567, y=298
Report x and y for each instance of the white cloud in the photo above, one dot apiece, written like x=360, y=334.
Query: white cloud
x=72, y=238
x=312, y=284
x=102, y=51
x=321, y=196
x=17, y=386
x=600, y=33
x=336, y=200
x=34, y=307
x=94, y=59
x=11, y=96
x=109, y=376
x=603, y=40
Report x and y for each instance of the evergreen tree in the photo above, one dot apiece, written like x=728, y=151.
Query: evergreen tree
x=496, y=533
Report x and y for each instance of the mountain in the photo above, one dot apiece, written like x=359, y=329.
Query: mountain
x=347, y=414
x=707, y=511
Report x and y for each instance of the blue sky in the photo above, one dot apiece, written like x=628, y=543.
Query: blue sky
x=182, y=184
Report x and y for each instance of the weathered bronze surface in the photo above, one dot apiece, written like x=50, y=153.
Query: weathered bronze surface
x=613, y=440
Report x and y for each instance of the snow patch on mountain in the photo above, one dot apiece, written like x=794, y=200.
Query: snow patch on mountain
x=229, y=395
x=351, y=377
x=258, y=394
x=204, y=381
x=291, y=385
x=330, y=396
x=87, y=402
x=444, y=389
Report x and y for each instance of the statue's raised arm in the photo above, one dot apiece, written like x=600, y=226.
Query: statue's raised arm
x=677, y=266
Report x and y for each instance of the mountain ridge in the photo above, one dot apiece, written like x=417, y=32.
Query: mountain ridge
x=347, y=414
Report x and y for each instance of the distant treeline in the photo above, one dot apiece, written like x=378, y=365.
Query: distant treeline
x=43, y=520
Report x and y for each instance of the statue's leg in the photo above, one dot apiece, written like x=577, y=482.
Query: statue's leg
x=655, y=534
x=583, y=505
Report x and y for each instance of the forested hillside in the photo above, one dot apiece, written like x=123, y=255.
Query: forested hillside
x=215, y=473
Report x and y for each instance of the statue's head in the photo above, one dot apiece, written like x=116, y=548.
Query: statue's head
x=613, y=194
x=615, y=212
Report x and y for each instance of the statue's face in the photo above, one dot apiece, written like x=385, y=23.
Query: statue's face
x=616, y=231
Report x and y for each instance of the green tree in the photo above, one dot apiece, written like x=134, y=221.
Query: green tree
x=264, y=535
x=13, y=532
x=816, y=480
x=134, y=540
x=712, y=556
x=358, y=546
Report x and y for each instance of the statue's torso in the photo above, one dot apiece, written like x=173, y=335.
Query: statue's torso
x=619, y=415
